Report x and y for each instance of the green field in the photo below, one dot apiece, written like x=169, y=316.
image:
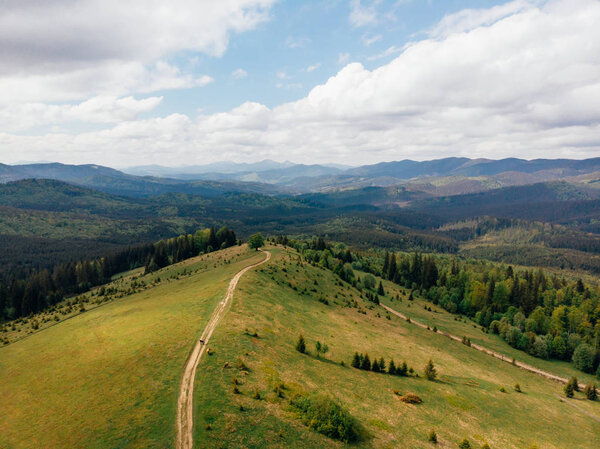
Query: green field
x=109, y=377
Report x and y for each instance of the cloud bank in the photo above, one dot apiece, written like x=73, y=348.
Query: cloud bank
x=519, y=80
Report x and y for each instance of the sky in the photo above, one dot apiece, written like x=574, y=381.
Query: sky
x=190, y=82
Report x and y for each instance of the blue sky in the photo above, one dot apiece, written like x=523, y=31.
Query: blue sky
x=197, y=81
x=300, y=35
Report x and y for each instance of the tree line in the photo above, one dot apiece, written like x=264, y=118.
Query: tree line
x=44, y=288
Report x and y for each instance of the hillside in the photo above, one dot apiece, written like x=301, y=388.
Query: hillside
x=109, y=377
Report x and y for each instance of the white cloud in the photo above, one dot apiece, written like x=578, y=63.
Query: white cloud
x=343, y=58
x=61, y=50
x=370, y=39
x=95, y=110
x=239, y=73
x=297, y=42
x=361, y=15
x=282, y=75
x=526, y=84
x=313, y=67
x=385, y=53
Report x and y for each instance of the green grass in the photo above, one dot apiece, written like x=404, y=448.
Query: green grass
x=109, y=377
x=465, y=402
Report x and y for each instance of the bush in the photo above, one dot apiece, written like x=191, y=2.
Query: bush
x=518, y=388
x=465, y=444
x=411, y=398
x=301, y=345
x=325, y=416
x=569, y=389
x=432, y=437
x=583, y=358
x=590, y=392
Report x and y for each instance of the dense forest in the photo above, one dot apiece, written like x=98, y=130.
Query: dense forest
x=40, y=289
x=545, y=315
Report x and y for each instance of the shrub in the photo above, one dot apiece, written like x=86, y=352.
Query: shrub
x=590, y=392
x=583, y=358
x=485, y=446
x=569, y=390
x=411, y=398
x=465, y=444
x=322, y=414
x=518, y=388
x=502, y=390
x=432, y=437
x=256, y=394
x=301, y=345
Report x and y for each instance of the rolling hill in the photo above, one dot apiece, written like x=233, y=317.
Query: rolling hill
x=109, y=376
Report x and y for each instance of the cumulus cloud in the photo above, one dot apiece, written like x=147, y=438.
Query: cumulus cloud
x=66, y=49
x=525, y=83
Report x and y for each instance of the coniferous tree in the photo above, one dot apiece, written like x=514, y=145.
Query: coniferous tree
x=355, y=361
x=380, y=290
x=392, y=367
x=366, y=363
x=590, y=392
x=375, y=366
x=301, y=344
x=430, y=372
x=569, y=389
x=403, y=369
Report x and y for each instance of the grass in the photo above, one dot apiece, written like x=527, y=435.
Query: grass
x=109, y=377
x=466, y=401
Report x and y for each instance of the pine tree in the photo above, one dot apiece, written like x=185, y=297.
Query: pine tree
x=375, y=366
x=366, y=363
x=301, y=345
x=382, y=364
x=569, y=390
x=403, y=370
x=430, y=371
x=465, y=444
x=380, y=290
x=590, y=392
x=355, y=361
x=392, y=367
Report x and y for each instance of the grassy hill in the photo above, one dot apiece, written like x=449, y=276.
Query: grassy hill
x=108, y=377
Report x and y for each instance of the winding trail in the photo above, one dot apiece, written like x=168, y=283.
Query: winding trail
x=185, y=411
x=524, y=366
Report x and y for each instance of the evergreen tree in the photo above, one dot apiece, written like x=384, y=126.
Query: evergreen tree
x=590, y=392
x=430, y=371
x=380, y=290
x=569, y=389
x=366, y=363
x=381, y=365
x=392, y=367
x=375, y=366
x=403, y=369
x=301, y=345
x=355, y=361
x=432, y=438
x=465, y=444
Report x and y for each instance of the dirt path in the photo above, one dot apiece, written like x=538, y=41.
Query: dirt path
x=185, y=412
x=477, y=347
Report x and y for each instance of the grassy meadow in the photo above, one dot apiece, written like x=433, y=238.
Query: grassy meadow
x=281, y=300
x=109, y=377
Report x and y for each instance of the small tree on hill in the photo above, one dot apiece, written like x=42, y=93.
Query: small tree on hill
x=366, y=363
x=355, y=361
x=569, y=390
x=430, y=371
x=392, y=367
x=256, y=241
x=403, y=369
x=590, y=392
x=375, y=366
x=432, y=437
x=465, y=444
x=380, y=290
x=382, y=364
x=301, y=344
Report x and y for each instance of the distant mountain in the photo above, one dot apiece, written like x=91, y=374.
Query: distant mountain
x=116, y=182
x=217, y=167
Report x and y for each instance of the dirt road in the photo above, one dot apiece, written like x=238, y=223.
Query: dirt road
x=477, y=347
x=185, y=411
